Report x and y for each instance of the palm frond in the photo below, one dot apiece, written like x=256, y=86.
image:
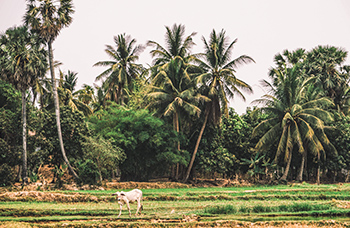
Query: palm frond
x=269, y=137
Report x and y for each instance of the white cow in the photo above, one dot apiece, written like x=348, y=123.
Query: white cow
x=129, y=197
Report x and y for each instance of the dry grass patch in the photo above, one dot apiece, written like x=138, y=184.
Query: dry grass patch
x=46, y=197
x=15, y=225
x=342, y=204
x=145, y=185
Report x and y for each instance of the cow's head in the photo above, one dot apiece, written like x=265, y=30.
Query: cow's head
x=119, y=195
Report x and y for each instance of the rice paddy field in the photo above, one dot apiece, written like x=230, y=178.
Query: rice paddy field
x=296, y=205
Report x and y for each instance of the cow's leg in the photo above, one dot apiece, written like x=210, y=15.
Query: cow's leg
x=138, y=207
x=120, y=211
x=127, y=204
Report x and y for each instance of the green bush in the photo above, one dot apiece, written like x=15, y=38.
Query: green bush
x=88, y=172
x=147, y=141
x=7, y=174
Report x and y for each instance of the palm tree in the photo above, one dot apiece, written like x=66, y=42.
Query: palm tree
x=176, y=46
x=343, y=99
x=326, y=64
x=296, y=119
x=172, y=94
x=289, y=59
x=99, y=100
x=67, y=96
x=86, y=94
x=69, y=81
x=171, y=91
x=48, y=17
x=218, y=81
x=43, y=88
x=122, y=69
x=23, y=61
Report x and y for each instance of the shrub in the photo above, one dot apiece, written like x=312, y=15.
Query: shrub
x=88, y=172
x=7, y=174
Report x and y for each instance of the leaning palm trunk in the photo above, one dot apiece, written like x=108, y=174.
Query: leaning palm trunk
x=57, y=110
x=24, y=154
x=196, y=147
x=285, y=174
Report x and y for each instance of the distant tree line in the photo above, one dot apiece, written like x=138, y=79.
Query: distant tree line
x=171, y=118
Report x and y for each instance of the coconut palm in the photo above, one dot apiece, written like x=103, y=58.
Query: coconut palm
x=296, y=119
x=171, y=92
x=23, y=61
x=69, y=81
x=48, y=17
x=86, y=94
x=122, y=69
x=218, y=81
x=170, y=71
x=99, y=100
x=287, y=59
x=177, y=45
x=68, y=97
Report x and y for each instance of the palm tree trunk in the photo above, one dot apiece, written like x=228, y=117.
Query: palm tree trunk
x=100, y=176
x=57, y=110
x=196, y=147
x=177, y=129
x=347, y=176
x=285, y=174
x=300, y=176
x=34, y=97
x=318, y=175
x=24, y=133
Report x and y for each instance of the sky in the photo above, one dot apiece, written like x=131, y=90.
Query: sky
x=263, y=29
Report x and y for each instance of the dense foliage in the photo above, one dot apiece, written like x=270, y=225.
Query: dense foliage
x=10, y=137
x=171, y=118
x=149, y=144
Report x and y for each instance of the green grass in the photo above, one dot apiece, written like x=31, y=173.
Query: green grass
x=261, y=208
x=299, y=202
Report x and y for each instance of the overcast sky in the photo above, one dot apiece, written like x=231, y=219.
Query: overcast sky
x=263, y=29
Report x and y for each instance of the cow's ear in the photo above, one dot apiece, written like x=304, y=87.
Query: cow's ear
x=122, y=194
x=116, y=193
